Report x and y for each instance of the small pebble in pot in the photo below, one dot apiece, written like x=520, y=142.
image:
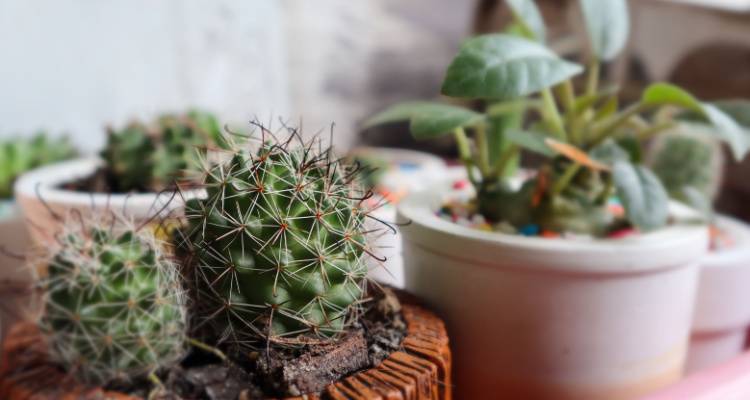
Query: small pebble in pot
x=621, y=233
x=529, y=230
x=458, y=185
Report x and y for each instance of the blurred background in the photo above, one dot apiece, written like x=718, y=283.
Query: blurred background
x=74, y=66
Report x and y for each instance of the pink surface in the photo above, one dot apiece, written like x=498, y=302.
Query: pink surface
x=728, y=381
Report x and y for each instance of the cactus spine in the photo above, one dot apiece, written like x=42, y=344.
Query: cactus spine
x=114, y=307
x=279, y=243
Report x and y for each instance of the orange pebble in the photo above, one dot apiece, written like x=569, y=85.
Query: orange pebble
x=550, y=234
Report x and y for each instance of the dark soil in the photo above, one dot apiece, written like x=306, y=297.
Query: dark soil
x=102, y=182
x=285, y=371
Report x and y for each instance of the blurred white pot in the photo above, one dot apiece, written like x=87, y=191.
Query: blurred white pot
x=408, y=170
x=722, y=310
x=14, y=241
x=555, y=318
x=43, y=200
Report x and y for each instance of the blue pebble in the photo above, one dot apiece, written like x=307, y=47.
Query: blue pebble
x=408, y=166
x=529, y=230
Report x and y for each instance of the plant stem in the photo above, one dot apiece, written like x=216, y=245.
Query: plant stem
x=565, y=179
x=566, y=92
x=592, y=81
x=606, y=192
x=502, y=162
x=602, y=132
x=552, y=115
x=484, y=154
x=507, y=107
x=464, y=153
x=655, y=130
x=209, y=349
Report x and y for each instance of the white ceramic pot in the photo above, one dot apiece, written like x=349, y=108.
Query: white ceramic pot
x=555, y=318
x=44, y=203
x=409, y=170
x=722, y=310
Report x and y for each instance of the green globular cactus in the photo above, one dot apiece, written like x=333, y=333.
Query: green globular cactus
x=685, y=159
x=19, y=155
x=278, y=245
x=128, y=157
x=152, y=157
x=114, y=307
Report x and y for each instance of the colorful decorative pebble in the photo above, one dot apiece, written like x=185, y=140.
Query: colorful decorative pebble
x=529, y=230
x=621, y=233
x=461, y=210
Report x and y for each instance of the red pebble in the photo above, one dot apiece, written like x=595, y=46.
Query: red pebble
x=621, y=233
x=458, y=185
x=550, y=234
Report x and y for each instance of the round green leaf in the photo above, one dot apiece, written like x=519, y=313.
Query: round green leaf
x=499, y=66
x=529, y=18
x=427, y=120
x=608, y=26
x=642, y=195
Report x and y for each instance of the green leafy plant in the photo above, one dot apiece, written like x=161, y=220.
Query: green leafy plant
x=143, y=157
x=278, y=243
x=592, y=147
x=114, y=307
x=19, y=155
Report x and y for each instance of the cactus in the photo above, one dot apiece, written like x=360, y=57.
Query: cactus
x=151, y=158
x=20, y=155
x=114, y=307
x=279, y=244
x=686, y=159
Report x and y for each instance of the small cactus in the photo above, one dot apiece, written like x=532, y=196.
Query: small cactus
x=151, y=157
x=686, y=159
x=114, y=307
x=279, y=244
x=20, y=155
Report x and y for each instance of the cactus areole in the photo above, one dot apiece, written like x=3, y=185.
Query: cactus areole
x=279, y=244
x=113, y=305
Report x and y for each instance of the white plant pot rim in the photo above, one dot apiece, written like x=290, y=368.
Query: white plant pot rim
x=740, y=234
x=46, y=182
x=595, y=256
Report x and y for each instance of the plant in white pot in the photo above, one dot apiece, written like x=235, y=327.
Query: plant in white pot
x=578, y=282
x=690, y=164
x=392, y=173
x=19, y=155
x=137, y=174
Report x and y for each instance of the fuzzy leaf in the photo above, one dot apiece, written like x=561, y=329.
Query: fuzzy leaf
x=530, y=140
x=529, y=18
x=728, y=130
x=609, y=153
x=608, y=26
x=739, y=110
x=642, y=195
x=427, y=120
x=724, y=127
x=499, y=66
x=697, y=200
